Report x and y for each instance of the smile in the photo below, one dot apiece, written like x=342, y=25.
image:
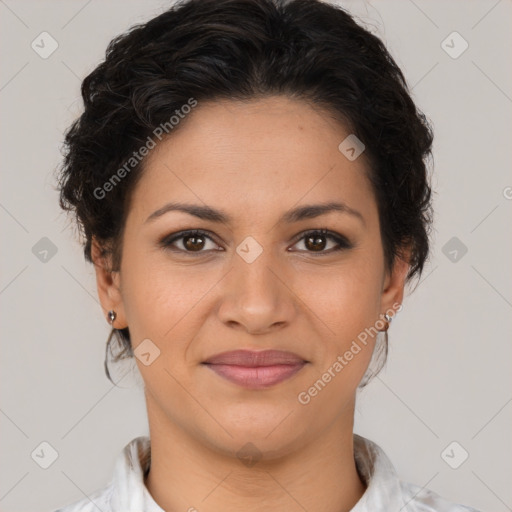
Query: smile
x=258, y=377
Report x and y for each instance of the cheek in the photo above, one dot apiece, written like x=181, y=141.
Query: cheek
x=346, y=300
x=347, y=307
x=160, y=300
x=346, y=297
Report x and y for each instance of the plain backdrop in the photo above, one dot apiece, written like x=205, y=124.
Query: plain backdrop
x=448, y=376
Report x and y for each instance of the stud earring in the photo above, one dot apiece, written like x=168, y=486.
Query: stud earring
x=111, y=317
x=386, y=321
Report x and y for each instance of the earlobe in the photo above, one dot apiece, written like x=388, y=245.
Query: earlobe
x=108, y=285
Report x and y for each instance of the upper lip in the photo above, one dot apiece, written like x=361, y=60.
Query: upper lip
x=253, y=359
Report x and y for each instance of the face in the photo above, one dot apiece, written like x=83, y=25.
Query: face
x=259, y=278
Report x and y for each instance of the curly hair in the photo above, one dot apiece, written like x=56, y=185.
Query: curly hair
x=209, y=50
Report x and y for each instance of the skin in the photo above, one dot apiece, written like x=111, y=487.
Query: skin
x=255, y=161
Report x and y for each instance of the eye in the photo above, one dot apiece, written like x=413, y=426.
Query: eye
x=316, y=241
x=192, y=241
x=196, y=241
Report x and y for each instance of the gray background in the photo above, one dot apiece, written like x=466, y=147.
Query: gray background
x=448, y=372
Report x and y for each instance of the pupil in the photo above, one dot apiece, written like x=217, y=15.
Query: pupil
x=194, y=245
x=318, y=242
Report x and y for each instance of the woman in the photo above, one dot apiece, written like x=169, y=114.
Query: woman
x=250, y=179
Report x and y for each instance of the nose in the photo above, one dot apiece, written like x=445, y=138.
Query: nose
x=257, y=297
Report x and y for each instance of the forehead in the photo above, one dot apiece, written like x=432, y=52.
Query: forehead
x=254, y=158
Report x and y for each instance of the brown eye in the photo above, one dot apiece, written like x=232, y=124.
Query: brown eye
x=193, y=242
x=189, y=242
x=315, y=242
x=319, y=240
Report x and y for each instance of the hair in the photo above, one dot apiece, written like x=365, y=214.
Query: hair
x=242, y=50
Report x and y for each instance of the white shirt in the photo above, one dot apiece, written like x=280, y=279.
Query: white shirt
x=384, y=493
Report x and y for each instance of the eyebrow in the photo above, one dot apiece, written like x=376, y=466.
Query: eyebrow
x=297, y=214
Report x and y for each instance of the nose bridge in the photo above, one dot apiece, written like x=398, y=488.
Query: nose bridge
x=255, y=295
x=255, y=276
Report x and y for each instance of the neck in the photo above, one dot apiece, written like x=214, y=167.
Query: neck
x=188, y=474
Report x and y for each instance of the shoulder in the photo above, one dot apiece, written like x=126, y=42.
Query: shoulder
x=99, y=500
x=126, y=490
x=418, y=499
x=386, y=491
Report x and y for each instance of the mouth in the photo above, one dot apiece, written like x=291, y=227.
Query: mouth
x=256, y=370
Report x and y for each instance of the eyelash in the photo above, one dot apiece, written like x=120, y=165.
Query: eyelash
x=343, y=243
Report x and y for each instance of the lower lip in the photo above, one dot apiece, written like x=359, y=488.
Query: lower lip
x=259, y=377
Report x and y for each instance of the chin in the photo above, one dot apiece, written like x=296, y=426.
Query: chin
x=251, y=447
x=268, y=433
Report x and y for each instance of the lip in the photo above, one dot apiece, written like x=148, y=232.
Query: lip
x=256, y=370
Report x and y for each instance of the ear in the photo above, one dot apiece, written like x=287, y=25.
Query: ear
x=394, y=284
x=109, y=286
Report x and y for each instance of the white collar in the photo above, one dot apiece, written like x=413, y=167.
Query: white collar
x=385, y=492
